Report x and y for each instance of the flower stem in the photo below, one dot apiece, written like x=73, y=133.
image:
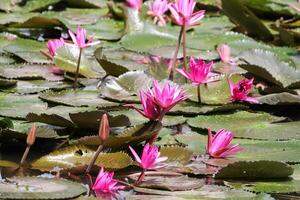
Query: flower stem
x=199, y=95
x=174, y=59
x=184, y=47
x=77, y=69
x=88, y=169
x=25, y=154
x=141, y=177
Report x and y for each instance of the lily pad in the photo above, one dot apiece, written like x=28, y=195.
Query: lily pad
x=76, y=156
x=79, y=98
x=40, y=188
x=176, y=153
x=255, y=170
x=280, y=99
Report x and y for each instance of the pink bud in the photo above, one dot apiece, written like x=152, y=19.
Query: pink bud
x=104, y=128
x=31, y=135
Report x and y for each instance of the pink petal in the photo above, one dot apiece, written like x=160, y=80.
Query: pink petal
x=137, y=158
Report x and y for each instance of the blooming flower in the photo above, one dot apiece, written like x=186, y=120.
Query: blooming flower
x=182, y=12
x=55, y=44
x=166, y=97
x=219, y=146
x=150, y=157
x=199, y=71
x=80, y=38
x=240, y=91
x=224, y=53
x=105, y=183
x=157, y=10
x=135, y=4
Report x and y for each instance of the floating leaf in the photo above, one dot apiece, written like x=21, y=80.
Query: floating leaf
x=251, y=125
x=176, y=153
x=40, y=188
x=6, y=163
x=79, y=98
x=76, y=156
x=280, y=99
x=66, y=58
x=266, y=65
x=255, y=170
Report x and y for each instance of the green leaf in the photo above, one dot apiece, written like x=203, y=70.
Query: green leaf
x=79, y=98
x=5, y=83
x=9, y=164
x=66, y=58
x=28, y=71
x=266, y=65
x=126, y=87
x=18, y=106
x=176, y=153
x=73, y=157
x=251, y=125
x=243, y=17
x=40, y=188
x=255, y=170
x=284, y=98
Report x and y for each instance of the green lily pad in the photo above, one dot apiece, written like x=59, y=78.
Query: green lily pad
x=251, y=125
x=18, y=106
x=79, y=155
x=28, y=71
x=284, y=98
x=9, y=164
x=35, y=86
x=40, y=188
x=255, y=170
x=4, y=83
x=67, y=56
x=266, y=65
x=79, y=98
x=176, y=153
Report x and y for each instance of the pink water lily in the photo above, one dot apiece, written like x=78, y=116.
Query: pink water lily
x=219, y=146
x=240, y=91
x=135, y=4
x=183, y=12
x=167, y=96
x=105, y=183
x=224, y=53
x=150, y=157
x=55, y=44
x=200, y=72
x=157, y=10
x=79, y=38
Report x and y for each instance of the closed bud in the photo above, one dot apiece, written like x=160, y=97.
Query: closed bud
x=104, y=128
x=31, y=135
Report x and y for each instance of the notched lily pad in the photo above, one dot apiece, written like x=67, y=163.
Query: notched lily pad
x=39, y=188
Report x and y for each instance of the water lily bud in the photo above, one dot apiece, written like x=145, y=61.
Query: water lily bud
x=31, y=135
x=104, y=128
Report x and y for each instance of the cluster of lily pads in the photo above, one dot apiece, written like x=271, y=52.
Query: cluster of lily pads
x=148, y=100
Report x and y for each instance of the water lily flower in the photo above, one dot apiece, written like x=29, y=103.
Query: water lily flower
x=150, y=109
x=167, y=96
x=224, y=53
x=150, y=157
x=183, y=12
x=105, y=183
x=219, y=146
x=135, y=4
x=200, y=72
x=79, y=38
x=157, y=10
x=55, y=44
x=240, y=91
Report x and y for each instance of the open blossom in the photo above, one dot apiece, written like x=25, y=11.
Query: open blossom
x=219, y=146
x=199, y=72
x=55, y=44
x=240, y=91
x=150, y=157
x=167, y=96
x=135, y=4
x=157, y=10
x=183, y=12
x=224, y=53
x=79, y=38
x=105, y=183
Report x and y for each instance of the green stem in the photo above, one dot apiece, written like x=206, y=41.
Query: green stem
x=77, y=69
x=199, y=95
x=174, y=59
